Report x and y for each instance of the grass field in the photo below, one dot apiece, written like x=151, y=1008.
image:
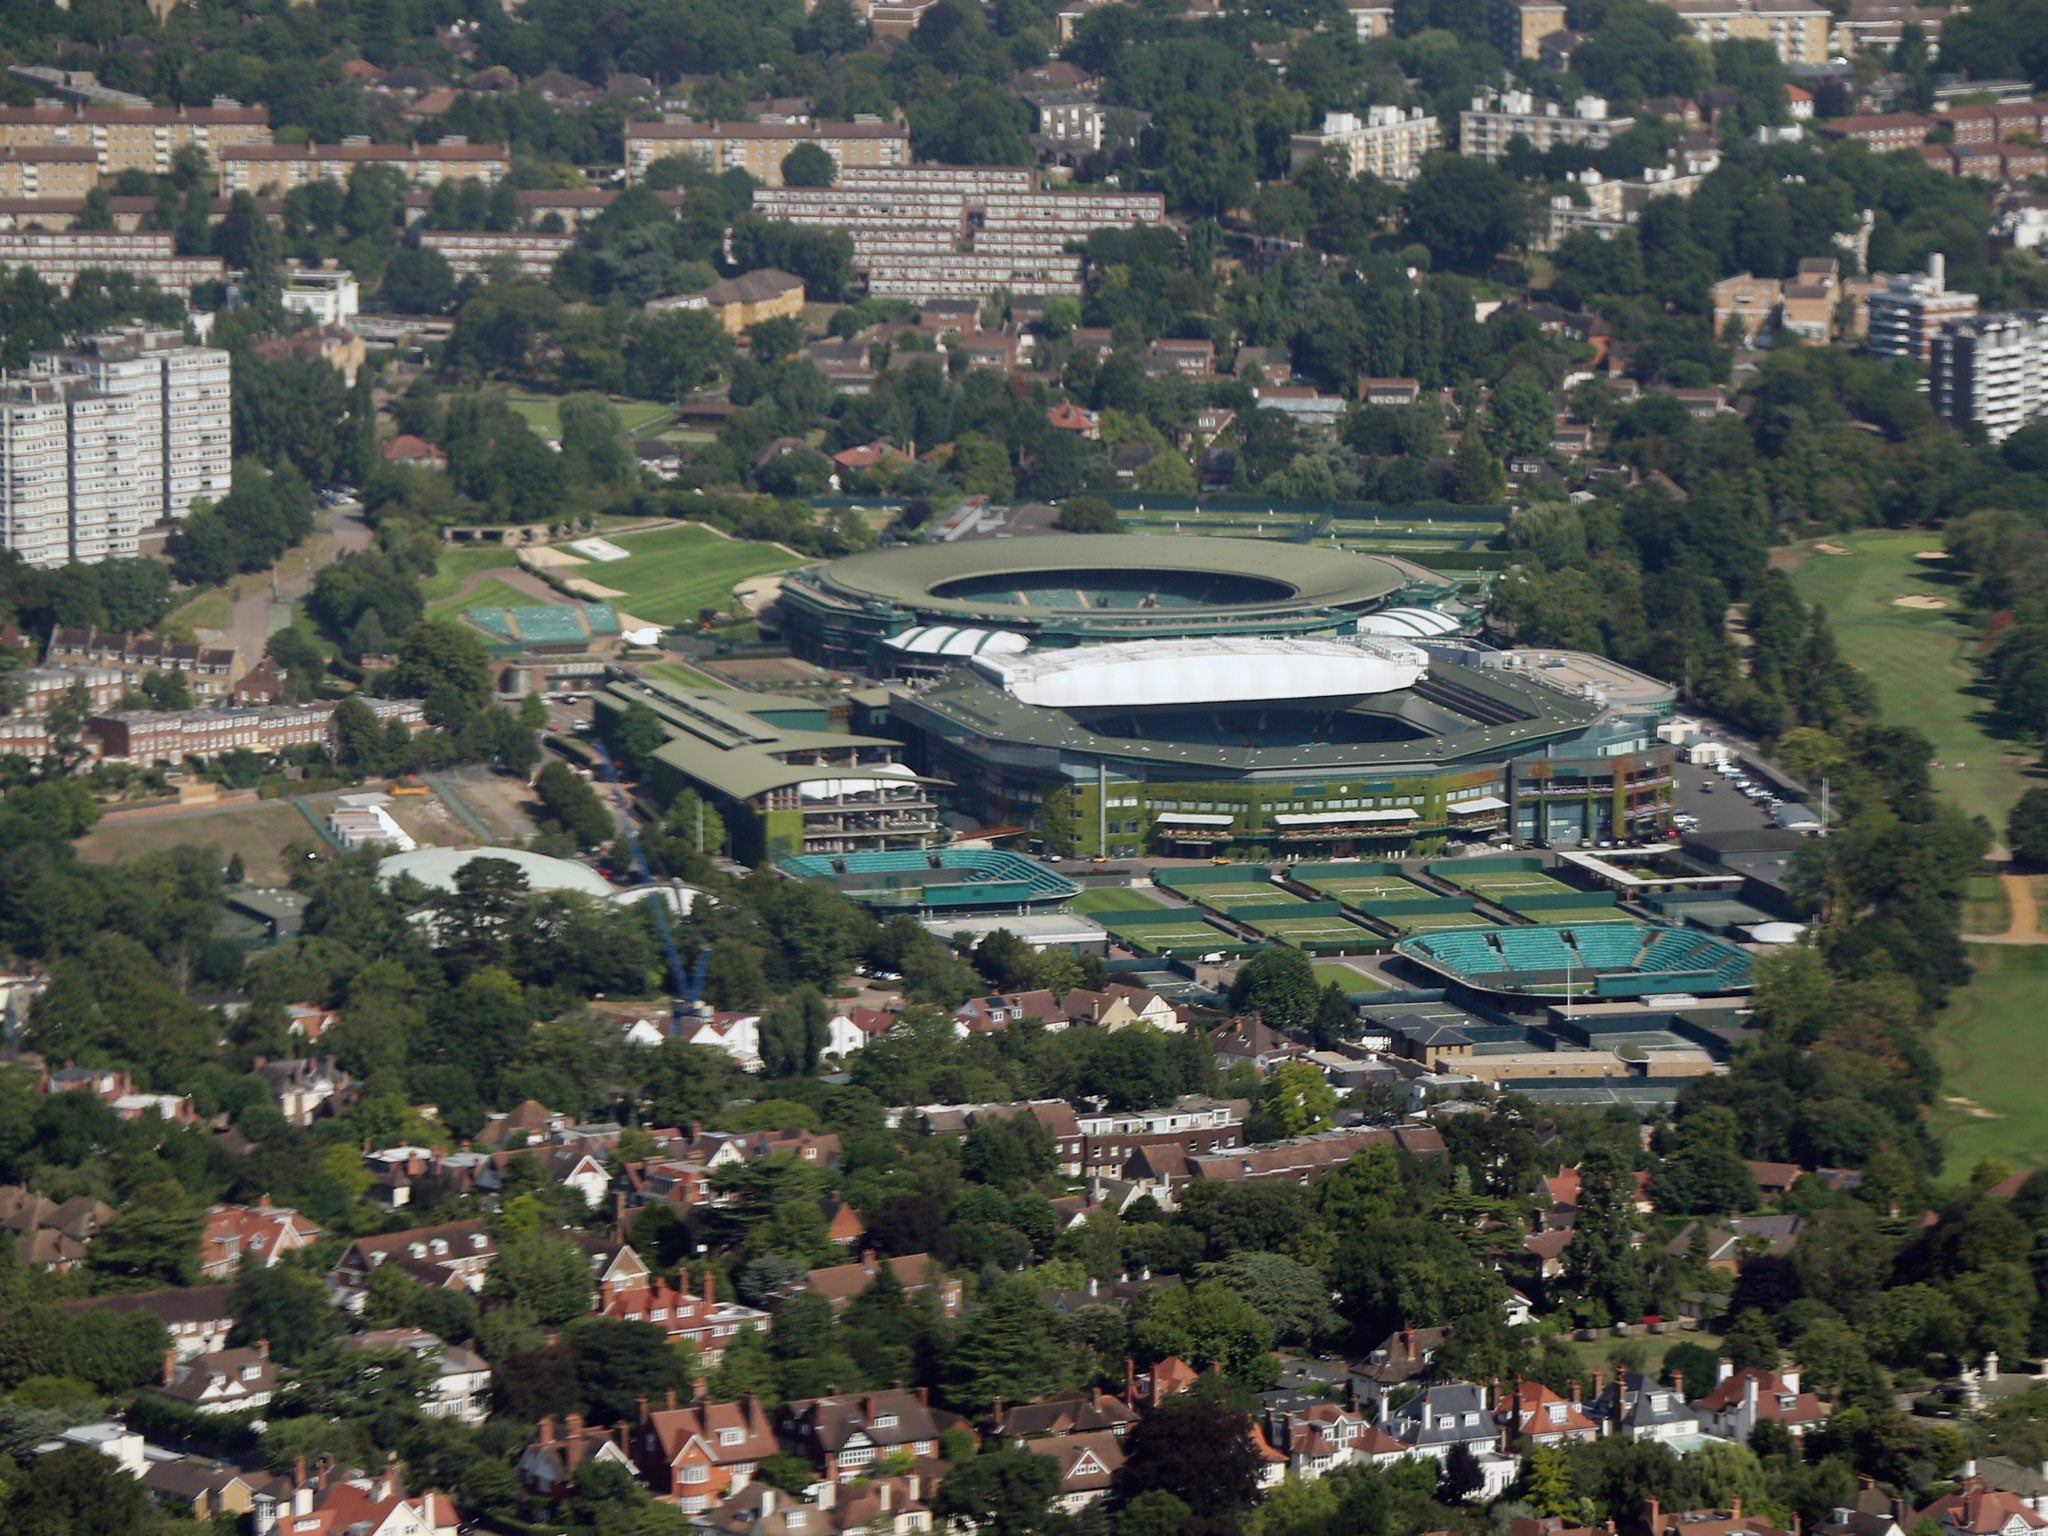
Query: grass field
x=1435, y=922
x=673, y=572
x=1158, y=937
x=1919, y=660
x=1492, y=883
x=1313, y=930
x=1364, y=890
x=489, y=593
x=1250, y=893
x=212, y=609
x=685, y=676
x=258, y=832
x=455, y=566
x=639, y=418
x=1115, y=898
x=1349, y=979
x=1986, y=1040
x=1596, y=1354
x=1985, y=909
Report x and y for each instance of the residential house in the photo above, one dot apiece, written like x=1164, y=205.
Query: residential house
x=999, y=1010
x=1081, y=1411
x=1248, y=1040
x=1869, y=1512
x=1706, y=1522
x=454, y=1253
x=235, y=1235
x=198, y=1318
x=707, y=1323
x=1774, y=1180
x=743, y=302
x=1443, y=1417
x=1118, y=1006
x=50, y=1235
x=462, y=1377
x=1402, y=1357
x=330, y=1503
x=846, y=1433
x=1641, y=1408
x=306, y=1089
x=547, y=1467
x=413, y=452
x=699, y=1455
x=1146, y=1390
x=842, y=1222
x=1743, y=1399
x=226, y=1381
x=1068, y=417
x=200, y=1489
x=1318, y=1437
x=1974, y=1510
x=840, y=1283
x=1088, y=1466
x=1530, y=1413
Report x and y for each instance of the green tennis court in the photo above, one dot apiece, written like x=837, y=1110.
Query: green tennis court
x=1507, y=882
x=1157, y=938
x=1367, y=890
x=1313, y=930
x=1115, y=898
x=1434, y=922
x=1247, y=894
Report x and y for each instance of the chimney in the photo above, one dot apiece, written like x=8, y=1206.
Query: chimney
x=1727, y=1369
x=1790, y=1376
x=298, y=1469
x=545, y=1435
x=1937, y=271
x=1130, y=1381
x=924, y=1396
x=302, y=1499
x=1575, y=1391
x=671, y=1397
x=170, y=1366
x=641, y=1403
x=767, y=1499
x=883, y=1490
x=572, y=1425
x=1735, y=1509
x=710, y=1288
x=1656, y=1518
x=1678, y=1383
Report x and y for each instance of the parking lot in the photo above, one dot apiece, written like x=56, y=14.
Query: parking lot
x=1718, y=804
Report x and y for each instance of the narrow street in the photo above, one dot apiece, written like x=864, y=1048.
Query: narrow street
x=266, y=608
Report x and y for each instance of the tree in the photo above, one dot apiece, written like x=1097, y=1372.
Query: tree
x=77, y=1491
x=809, y=165
x=1157, y=1513
x=1335, y=1018
x=1013, y=1351
x=1197, y=1449
x=152, y=1244
x=1294, y=1298
x=1088, y=514
x=1009, y=1492
x=1466, y=210
x=574, y=805
x=1279, y=985
x=418, y=281
x=636, y=735
x=1297, y=1100
x=445, y=665
x=547, y=1275
x=287, y=1306
x=1600, y=1262
x=2027, y=830
x=594, y=450
x=1207, y=1324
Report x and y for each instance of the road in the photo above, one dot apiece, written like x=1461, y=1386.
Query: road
x=267, y=606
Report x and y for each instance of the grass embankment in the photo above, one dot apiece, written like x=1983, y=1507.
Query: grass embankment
x=672, y=573
x=1115, y=898
x=1990, y=1046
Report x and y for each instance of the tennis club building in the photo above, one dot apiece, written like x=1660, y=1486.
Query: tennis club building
x=1264, y=747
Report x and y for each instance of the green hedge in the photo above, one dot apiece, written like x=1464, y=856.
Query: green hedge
x=1260, y=911
x=1557, y=901
x=1211, y=874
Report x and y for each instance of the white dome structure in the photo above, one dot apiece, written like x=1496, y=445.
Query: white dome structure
x=436, y=868
x=1409, y=623
x=955, y=640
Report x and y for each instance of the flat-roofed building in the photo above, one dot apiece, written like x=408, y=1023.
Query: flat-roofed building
x=1797, y=29
x=40, y=171
x=469, y=252
x=278, y=168
x=58, y=256
x=1519, y=26
x=760, y=148
x=1908, y=312
x=1498, y=118
x=135, y=138
x=1387, y=142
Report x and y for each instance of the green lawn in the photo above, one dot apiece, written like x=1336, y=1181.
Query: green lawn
x=1985, y=909
x=1919, y=660
x=486, y=594
x=676, y=672
x=1985, y=1040
x=639, y=418
x=456, y=565
x=673, y=572
x=1328, y=971
x=1115, y=898
x=211, y=609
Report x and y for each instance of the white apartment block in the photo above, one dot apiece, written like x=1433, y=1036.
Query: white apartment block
x=136, y=138
x=1500, y=117
x=329, y=295
x=1991, y=371
x=1797, y=29
x=1908, y=312
x=1386, y=142
x=469, y=252
x=759, y=148
x=97, y=445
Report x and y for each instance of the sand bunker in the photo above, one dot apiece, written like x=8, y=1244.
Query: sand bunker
x=1918, y=600
x=1825, y=548
x=1930, y=554
x=590, y=588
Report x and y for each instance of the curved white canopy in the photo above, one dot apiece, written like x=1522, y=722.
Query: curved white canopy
x=1408, y=623
x=952, y=640
x=1153, y=673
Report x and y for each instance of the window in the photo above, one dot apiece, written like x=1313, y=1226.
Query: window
x=696, y=1472
x=885, y=1421
x=729, y=1437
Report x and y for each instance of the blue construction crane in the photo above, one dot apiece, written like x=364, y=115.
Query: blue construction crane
x=689, y=986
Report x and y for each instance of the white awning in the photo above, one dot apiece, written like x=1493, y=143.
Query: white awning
x=1190, y=819
x=1338, y=818
x=1483, y=803
x=951, y=640
x=885, y=776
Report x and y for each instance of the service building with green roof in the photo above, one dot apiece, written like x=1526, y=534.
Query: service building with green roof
x=783, y=782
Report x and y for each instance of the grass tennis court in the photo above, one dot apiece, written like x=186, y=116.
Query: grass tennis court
x=671, y=573
x=1157, y=938
x=685, y=676
x=1346, y=977
x=1435, y=922
x=1577, y=915
x=1247, y=894
x=1492, y=883
x=1313, y=930
x=1369, y=890
x=1115, y=898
